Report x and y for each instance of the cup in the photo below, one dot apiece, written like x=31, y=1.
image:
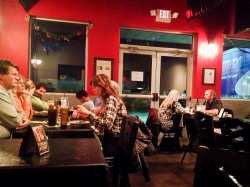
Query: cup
x=64, y=113
x=64, y=102
x=52, y=116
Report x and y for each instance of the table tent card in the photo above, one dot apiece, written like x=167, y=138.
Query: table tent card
x=35, y=141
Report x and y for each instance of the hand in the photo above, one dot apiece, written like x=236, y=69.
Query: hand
x=74, y=114
x=25, y=124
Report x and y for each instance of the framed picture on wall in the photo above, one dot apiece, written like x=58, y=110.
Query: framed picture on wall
x=104, y=66
x=208, y=76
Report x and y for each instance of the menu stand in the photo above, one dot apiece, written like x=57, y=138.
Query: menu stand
x=35, y=141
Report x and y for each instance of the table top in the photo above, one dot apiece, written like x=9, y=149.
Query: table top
x=74, y=130
x=73, y=152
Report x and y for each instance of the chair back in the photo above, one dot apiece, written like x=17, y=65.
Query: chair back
x=128, y=134
x=236, y=134
x=189, y=123
x=204, y=129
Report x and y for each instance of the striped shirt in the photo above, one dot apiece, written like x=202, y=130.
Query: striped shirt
x=9, y=117
x=111, y=115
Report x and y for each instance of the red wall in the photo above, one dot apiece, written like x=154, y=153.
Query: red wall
x=108, y=17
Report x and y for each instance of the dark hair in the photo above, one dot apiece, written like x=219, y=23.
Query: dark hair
x=81, y=93
x=41, y=84
x=4, y=66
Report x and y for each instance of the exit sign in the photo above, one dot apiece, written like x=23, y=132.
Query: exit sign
x=163, y=15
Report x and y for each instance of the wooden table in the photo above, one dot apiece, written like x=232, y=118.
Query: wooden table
x=70, y=162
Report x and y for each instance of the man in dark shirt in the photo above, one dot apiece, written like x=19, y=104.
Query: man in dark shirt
x=213, y=105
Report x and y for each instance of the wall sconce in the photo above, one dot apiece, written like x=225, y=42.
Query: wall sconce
x=163, y=15
x=35, y=62
x=209, y=50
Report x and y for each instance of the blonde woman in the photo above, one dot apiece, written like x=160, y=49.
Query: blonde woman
x=168, y=107
x=23, y=98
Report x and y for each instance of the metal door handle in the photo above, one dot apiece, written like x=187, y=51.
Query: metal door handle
x=155, y=97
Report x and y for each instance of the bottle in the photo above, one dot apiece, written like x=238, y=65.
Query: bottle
x=197, y=105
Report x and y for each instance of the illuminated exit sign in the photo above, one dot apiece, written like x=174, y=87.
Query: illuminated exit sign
x=163, y=16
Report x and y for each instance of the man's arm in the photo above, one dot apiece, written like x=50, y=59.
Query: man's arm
x=38, y=104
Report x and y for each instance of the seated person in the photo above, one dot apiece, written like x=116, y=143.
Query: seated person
x=37, y=103
x=213, y=105
x=23, y=98
x=86, y=102
x=98, y=102
x=10, y=118
x=168, y=107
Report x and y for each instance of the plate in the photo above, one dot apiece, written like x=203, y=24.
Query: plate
x=39, y=122
x=79, y=122
x=51, y=127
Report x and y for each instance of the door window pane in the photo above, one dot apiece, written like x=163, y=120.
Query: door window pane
x=173, y=75
x=136, y=74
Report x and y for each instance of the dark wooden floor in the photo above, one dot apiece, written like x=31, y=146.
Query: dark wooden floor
x=166, y=171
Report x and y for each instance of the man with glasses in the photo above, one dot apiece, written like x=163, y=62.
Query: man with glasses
x=10, y=118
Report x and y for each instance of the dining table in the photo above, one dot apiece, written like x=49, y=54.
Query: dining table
x=69, y=162
x=74, y=129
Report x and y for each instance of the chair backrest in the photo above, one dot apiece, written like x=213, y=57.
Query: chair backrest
x=229, y=111
x=177, y=117
x=236, y=134
x=128, y=134
x=126, y=158
x=204, y=129
x=221, y=167
x=189, y=123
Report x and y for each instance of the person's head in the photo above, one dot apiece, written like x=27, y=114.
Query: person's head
x=172, y=96
x=102, y=86
x=30, y=86
x=209, y=95
x=115, y=85
x=41, y=88
x=20, y=85
x=9, y=76
x=82, y=95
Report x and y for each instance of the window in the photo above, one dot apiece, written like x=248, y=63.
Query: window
x=236, y=69
x=57, y=54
